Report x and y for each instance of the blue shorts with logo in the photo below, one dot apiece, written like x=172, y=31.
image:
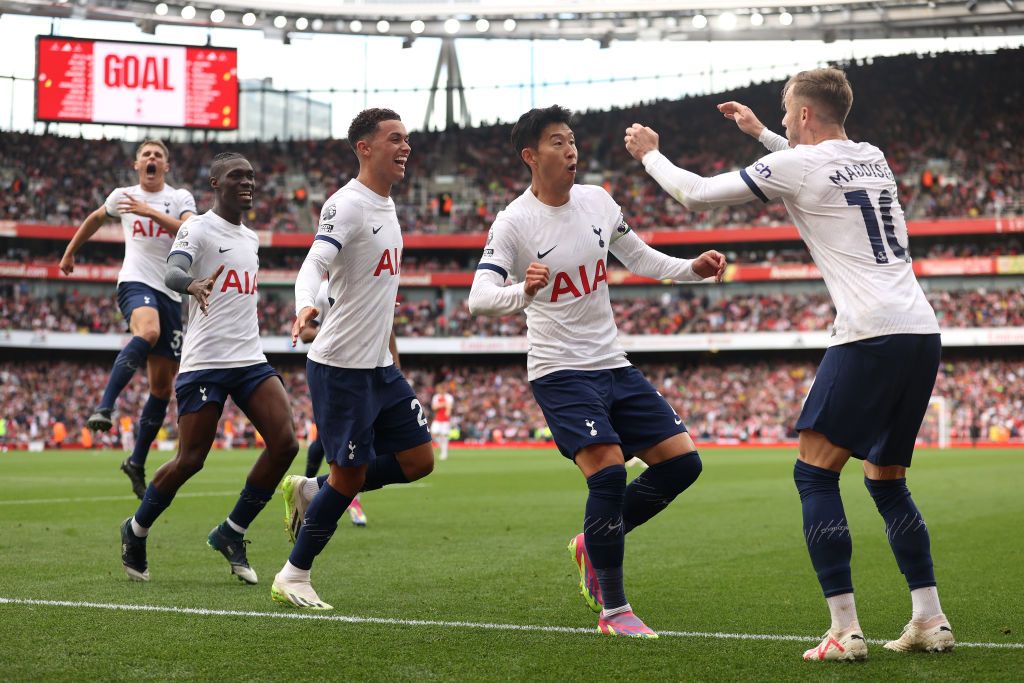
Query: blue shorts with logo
x=362, y=412
x=197, y=389
x=870, y=396
x=586, y=407
x=132, y=295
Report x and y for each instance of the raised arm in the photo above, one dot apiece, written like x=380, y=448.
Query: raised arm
x=93, y=222
x=643, y=260
x=689, y=189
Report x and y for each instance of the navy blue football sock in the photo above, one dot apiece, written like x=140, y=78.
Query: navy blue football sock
x=319, y=525
x=603, y=534
x=825, y=529
x=657, y=486
x=132, y=357
x=150, y=422
x=251, y=500
x=384, y=470
x=906, y=530
x=314, y=458
x=152, y=506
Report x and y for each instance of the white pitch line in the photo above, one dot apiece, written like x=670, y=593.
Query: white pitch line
x=187, y=494
x=533, y=628
x=101, y=499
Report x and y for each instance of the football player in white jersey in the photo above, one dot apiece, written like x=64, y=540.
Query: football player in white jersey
x=222, y=356
x=150, y=213
x=372, y=426
x=874, y=383
x=315, y=453
x=555, y=240
x=441, y=406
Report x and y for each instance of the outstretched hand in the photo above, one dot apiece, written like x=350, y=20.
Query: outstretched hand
x=302, y=321
x=200, y=289
x=743, y=116
x=710, y=264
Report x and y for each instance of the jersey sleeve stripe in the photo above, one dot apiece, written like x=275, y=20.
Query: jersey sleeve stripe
x=753, y=186
x=497, y=269
x=183, y=253
x=327, y=238
x=184, y=212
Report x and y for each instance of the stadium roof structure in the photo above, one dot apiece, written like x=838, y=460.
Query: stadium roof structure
x=600, y=20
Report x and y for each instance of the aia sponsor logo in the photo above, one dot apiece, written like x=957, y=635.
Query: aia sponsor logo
x=390, y=261
x=242, y=282
x=584, y=283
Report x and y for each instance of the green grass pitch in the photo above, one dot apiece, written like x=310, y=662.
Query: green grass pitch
x=482, y=541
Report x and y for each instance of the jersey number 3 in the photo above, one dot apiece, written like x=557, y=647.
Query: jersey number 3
x=860, y=198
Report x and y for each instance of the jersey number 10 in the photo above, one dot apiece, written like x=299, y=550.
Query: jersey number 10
x=860, y=198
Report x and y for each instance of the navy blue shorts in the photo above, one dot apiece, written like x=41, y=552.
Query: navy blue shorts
x=604, y=406
x=197, y=389
x=132, y=295
x=362, y=412
x=870, y=396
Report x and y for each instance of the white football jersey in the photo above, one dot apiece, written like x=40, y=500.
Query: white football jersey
x=228, y=335
x=570, y=325
x=363, y=278
x=842, y=197
x=146, y=243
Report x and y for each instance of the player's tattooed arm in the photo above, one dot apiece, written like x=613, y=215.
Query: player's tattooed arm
x=93, y=222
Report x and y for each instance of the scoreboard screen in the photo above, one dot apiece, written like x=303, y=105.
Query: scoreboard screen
x=80, y=80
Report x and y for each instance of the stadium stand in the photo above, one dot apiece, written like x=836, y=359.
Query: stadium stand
x=963, y=185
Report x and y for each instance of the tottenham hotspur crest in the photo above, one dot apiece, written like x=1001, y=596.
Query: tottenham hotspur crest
x=590, y=423
x=351, y=451
x=202, y=390
x=598, y=231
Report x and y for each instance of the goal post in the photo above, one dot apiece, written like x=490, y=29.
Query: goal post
x=935, y=430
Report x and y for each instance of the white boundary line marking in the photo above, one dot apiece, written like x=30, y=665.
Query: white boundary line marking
x=308, y=616
x=103, y=499
x=186, y=494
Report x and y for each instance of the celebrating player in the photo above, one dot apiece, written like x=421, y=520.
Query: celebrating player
x=222, y=356
x=151, y=213
x=555, y=239
x=441, y=405
x=872, y=388
x=371, y=425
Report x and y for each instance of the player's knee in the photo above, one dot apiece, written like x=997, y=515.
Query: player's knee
x=189, y=464
x=417, y=463
x=288, y=448
x=150, y=334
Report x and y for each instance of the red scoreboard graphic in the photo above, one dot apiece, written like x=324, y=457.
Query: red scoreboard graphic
x=80, y=80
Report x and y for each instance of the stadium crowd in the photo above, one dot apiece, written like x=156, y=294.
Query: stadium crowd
x=743, y=402
x=675, y=311
x=946, y=167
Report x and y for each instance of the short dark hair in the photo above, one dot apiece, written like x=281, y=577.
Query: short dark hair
x=828, y=88
x=365, y=123
x=526, y=132
x=222, y=160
